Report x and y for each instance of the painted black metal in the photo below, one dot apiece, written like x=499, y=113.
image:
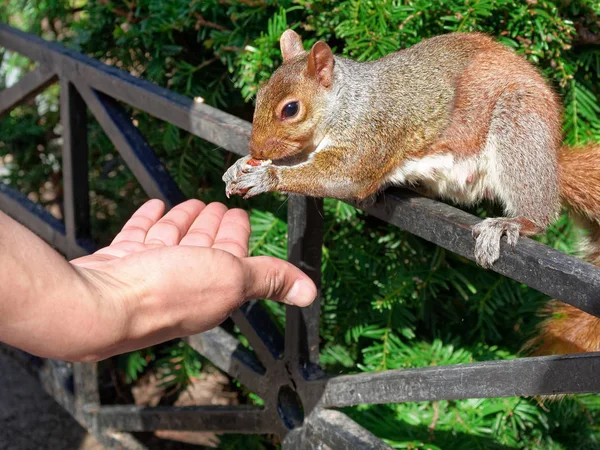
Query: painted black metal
x=335, y=430
x=284, y=371
x=262, y=333
x=547, y=375
x=305, y=239
x=218, y=127
x=229, y=355
x=221, y=419
x=76, y=200
x=27, y=88
x=132, y=147
x=561, y=276
x=37, y=219
x=85, y=377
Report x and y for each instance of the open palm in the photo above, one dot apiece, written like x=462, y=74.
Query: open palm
x=191, y=223
x=179, y=274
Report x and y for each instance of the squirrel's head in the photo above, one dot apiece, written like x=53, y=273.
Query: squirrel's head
x=291, y=105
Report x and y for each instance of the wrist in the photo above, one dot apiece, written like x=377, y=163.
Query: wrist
x=130, y=308
x=104, y=311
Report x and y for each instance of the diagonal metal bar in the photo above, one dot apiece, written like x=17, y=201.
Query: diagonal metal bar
x=204, y=121
x=548, y=375
x=26, y=88
x=37, y=219
x=229, y=355
x=220, y=419
x=561, y=276
x=305, y=239
x=260, y=330
x=76, y=200
x=132, y=146
x=55, y=377
x=332, y=429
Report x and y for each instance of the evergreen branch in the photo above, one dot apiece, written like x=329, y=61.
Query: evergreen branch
x=201, y=22
x=385, y=339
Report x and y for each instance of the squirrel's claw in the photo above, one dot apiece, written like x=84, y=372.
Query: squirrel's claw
x=247, y=180
x=255, y=191
x=231, y=175
x=487, y=236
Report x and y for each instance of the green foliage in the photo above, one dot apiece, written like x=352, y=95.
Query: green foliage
x=390, y=300
x=178, y=365
x=133, y=364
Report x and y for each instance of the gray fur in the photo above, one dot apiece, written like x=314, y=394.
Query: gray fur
x=379, y=114
x=248, y=180
x=488, y=234
x=528, y=166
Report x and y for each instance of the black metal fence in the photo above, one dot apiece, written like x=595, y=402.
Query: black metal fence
x=283, y=370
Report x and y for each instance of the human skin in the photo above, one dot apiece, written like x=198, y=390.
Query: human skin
x=162, y=277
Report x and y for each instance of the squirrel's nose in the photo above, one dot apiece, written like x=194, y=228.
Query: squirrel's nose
x=254, y=150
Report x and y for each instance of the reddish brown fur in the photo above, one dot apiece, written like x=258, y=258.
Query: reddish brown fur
x=309, y=75
x=580, y=182
x=568, y=329
x=478, y=89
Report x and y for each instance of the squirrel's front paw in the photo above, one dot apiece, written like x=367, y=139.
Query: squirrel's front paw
x=247, y=180
x=487, y=236
x=233, y=172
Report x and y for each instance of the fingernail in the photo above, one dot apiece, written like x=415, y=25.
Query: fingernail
x=302, y=293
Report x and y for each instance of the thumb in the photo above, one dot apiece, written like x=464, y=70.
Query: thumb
x=275, y=279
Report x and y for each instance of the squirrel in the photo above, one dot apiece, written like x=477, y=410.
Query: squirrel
x=457, y=116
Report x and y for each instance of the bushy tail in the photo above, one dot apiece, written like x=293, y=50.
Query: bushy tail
x=568, y=329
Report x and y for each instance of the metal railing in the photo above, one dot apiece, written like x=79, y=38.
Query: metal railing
x=282, y=370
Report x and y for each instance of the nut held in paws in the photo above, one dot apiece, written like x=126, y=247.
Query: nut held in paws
x=258, y=162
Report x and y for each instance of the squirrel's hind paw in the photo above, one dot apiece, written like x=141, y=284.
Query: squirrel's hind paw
x=487, y=236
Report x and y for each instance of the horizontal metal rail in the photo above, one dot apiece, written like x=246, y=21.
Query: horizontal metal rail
x=545, y=375
x=218, y=419
x=543, y=268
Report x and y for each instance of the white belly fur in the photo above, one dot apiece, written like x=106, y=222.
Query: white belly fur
x=464, y=180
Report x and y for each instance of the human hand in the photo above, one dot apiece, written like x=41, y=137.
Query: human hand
x=177, y=275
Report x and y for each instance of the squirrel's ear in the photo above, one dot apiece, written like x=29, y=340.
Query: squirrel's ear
x=291, y=44
x=320, y=63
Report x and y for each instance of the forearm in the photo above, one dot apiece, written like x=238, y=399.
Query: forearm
x=334, y=172
x=46, y=307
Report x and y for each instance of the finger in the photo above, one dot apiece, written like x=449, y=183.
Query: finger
x=234, y=233
x=275, y=279
x=142, y=220
x=203, y=231
x=175, y=224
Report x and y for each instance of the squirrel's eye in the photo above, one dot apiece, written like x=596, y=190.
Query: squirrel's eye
x=289, y=110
